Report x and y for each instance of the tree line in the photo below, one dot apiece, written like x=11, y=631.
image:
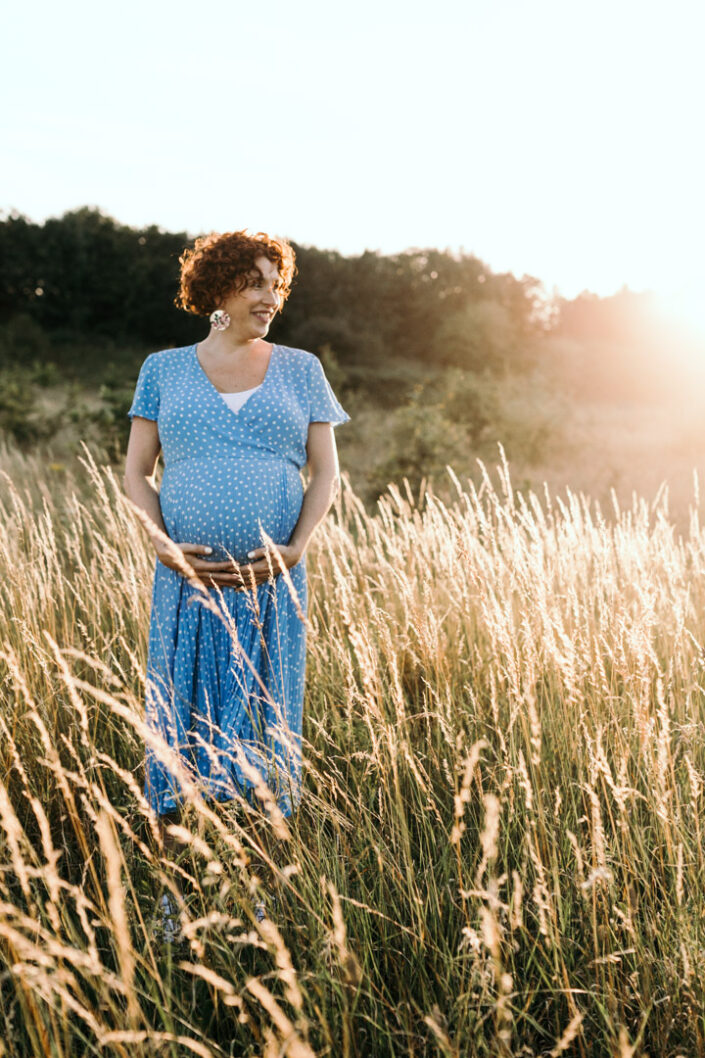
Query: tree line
x=83, y=279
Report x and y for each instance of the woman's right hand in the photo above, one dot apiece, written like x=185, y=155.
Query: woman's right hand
x=225, y=572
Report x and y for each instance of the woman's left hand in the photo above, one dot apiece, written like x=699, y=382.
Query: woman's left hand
x=259, y=564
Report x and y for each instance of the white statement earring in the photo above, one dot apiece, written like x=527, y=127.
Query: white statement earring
x=219, y=320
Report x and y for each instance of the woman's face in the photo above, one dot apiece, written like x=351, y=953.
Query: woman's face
x=252, y=310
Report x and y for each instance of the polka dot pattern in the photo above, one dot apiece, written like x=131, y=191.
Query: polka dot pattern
x=227, y=686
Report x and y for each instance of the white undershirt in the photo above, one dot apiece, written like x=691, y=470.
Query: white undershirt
x=236, y=400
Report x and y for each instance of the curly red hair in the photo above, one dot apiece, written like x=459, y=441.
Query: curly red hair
x=219, y=264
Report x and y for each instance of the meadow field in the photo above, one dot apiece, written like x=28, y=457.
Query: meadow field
x=499, y=849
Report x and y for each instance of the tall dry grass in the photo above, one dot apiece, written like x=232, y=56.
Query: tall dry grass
x=499, y=848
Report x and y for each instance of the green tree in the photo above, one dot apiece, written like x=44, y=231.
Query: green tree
x=481, y=335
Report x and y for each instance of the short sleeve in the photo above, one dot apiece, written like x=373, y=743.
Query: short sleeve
x=323, y=404
x=146, y=399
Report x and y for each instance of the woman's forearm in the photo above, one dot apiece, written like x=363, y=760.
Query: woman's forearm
x=318, y=498
x=142, y=492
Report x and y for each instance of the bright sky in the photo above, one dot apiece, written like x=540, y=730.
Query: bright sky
x=549, y=137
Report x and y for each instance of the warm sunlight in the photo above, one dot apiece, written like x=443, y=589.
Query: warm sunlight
x=685, y=307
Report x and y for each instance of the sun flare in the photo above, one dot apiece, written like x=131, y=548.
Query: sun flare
x=684, y=307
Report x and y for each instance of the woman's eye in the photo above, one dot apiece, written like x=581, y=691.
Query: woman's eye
x=258, y=282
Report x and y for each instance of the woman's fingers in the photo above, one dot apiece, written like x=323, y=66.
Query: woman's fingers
x=226, y=565
x=235, y=580
x=256, y=567
x=227, y=573
x=195, y=550
x=225, y=578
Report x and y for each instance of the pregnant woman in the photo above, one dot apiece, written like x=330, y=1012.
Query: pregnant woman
x=236, y=418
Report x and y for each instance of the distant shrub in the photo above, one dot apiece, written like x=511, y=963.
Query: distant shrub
x=29, y=415
x=22, y=340
x=466, y=398
x=389, y=384
x=336, y=375
x=455, y=417
x=318, y=331
x=533, y=419
x=421, y=441
x=481, y=335
x=117, y=399
x=21, y=416
x=105, y=426
x=351, y=345
x=45, y=373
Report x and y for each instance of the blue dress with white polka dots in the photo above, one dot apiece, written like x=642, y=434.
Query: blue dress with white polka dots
x=225, y=689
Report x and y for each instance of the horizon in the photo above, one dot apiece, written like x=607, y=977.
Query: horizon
x=5, y=214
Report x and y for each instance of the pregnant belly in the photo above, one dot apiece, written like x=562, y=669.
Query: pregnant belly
x=226, y=503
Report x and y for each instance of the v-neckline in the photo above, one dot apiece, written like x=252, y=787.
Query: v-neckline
x=253, y=396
